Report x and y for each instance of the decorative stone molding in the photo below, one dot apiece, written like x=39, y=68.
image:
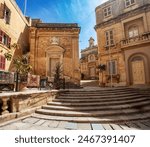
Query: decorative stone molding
x=54, y=40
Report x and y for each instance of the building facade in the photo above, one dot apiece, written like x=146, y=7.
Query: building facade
x=55, y=43
x=14, y=31
x=89, y=61
x=44, y=44
x=123, y=32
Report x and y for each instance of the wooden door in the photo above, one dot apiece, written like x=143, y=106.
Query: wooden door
x=138, y=72
x=53, y=63
x=92, y=72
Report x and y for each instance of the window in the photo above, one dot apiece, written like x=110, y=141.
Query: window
x=133, y=31
x=112, y=67
x=2, y=62
x=5, y=39
x=5, y=13
x=107, y=11
x=91, y=58
x=109, y=38
x=129, y=2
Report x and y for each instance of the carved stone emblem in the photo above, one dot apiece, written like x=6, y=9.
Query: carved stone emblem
x=54, y=40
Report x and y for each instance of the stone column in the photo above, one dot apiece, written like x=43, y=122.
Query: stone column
x=33, y=33
x=75, y=64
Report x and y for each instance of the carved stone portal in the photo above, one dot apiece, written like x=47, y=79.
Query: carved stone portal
x=54, y=55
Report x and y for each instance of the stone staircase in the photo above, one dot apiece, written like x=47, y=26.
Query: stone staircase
x=105, y=106
x=89, y=83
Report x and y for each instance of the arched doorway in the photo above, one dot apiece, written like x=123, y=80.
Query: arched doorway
x=138, y=70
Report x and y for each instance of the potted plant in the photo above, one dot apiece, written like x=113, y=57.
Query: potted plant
x=8, y=56
x=102, y=68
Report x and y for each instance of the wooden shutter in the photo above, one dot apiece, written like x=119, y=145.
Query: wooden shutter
x=2, y=10
x=1, y=36
x=2, y=62
x=9, y=42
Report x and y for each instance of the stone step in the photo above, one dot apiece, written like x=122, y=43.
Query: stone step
x=98, y=108
x=93, y=114
x=97, y=92
x=92, y=83
x=109, y=105
x=80, y=101
x=108, y=90
x=108, y=119
x=106, y=98
x=97, y=95
x=99, y=103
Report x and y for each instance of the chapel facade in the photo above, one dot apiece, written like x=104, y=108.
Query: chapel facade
x=89, y=62
x=53, y=43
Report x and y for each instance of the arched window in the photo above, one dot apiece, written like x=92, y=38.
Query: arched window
x=133, y=31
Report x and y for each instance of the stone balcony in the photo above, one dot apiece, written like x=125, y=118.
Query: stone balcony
x=141, y=39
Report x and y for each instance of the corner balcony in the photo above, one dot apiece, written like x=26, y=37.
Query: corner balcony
x=141, y=39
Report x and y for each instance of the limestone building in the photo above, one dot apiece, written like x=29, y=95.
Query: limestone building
x=52, y=43
x=14, y=30
x=123, y=32
x=89, y=61
x=45, y=44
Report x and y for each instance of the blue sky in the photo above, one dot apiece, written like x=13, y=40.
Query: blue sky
x=66, y=11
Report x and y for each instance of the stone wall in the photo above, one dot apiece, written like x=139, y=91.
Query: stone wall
x=121, y=8
x=18, y=104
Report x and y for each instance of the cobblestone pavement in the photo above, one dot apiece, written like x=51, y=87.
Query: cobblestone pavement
x=32, y=123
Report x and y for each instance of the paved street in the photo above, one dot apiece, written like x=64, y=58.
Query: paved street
x=32, y=123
